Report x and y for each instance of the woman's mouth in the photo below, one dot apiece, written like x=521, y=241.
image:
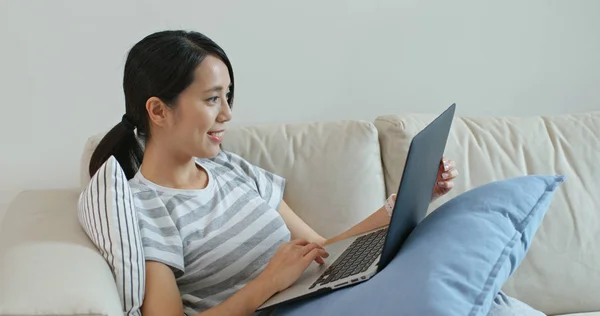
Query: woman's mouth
x=216, y=136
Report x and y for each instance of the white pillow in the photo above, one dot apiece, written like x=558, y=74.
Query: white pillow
x=107, y=214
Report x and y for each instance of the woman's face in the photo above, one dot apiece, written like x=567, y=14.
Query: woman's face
x=196, y=125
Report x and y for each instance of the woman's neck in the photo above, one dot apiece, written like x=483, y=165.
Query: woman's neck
x=173, y=171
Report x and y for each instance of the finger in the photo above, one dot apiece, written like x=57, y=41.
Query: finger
x=445, y=185
x=308, y=248
x=322, y=255
x=300, y=242
x=448, y=165
x=451, y=164
x=453, y=174
x=443, y=166
x=314, y=254
x=449, y=175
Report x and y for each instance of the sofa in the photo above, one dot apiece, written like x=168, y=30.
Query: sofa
x=337, y=173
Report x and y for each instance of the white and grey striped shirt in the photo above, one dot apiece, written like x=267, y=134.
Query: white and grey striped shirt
x=216, y=239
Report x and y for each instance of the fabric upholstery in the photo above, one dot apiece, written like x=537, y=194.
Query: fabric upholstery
x=48, y=266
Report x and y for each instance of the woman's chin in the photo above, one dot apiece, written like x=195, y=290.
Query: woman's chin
x=210, y=152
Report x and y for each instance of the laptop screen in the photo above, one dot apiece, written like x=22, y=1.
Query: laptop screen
x=417, y=183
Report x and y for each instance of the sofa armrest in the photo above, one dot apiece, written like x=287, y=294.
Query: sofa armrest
x=48, y=266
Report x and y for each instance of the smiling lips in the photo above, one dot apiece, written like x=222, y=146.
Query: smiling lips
x=216, y=136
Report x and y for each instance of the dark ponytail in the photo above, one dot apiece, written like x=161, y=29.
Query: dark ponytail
x=160, y=65
x=122, y=143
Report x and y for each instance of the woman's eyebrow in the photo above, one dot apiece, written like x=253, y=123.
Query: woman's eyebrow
x=217, y=89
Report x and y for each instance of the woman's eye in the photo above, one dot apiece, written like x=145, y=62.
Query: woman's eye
x=213, y=99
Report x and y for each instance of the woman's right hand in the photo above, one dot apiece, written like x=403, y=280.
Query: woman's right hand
x=289, y=262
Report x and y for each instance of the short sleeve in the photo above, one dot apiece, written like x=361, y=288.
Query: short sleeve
x=160, y=237
x=270, y=186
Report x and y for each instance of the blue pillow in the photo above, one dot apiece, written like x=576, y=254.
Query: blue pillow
x=456, y=260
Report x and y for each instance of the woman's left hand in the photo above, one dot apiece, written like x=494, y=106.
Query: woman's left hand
x=446, y=174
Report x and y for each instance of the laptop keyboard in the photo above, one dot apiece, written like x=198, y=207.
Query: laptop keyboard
x=357, y=258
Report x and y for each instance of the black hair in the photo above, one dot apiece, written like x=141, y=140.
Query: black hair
x=161, y=65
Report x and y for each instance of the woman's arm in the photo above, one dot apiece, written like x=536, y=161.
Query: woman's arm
x=376, y=220
x=243, y=302
x=299, y=229
x=162, y=297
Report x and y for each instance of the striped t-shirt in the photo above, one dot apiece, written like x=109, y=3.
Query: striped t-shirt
x=216, y=239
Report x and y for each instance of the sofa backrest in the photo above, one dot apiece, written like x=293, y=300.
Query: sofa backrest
x=333, y=171
x=561, y=272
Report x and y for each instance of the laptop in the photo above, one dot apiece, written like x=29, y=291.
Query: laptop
x=357, y=259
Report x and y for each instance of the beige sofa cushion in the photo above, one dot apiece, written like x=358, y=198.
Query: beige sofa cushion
x=48, y=266
x=333, y=169
x=561, y=272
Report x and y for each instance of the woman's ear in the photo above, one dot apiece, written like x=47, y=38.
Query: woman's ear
x=157, y=111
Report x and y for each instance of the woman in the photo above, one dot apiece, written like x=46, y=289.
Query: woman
x=218, y=238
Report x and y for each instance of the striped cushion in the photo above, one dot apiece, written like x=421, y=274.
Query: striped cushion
x=107, y=214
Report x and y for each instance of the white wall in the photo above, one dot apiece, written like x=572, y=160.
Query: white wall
x=62, y=61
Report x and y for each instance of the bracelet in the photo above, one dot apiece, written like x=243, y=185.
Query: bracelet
x=389, y=204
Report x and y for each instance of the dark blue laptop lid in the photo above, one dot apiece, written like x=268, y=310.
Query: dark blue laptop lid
x=417, y=183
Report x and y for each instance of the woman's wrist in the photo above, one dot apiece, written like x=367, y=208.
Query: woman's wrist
x=255, y=293
x=266, y=284
x=245, y=301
